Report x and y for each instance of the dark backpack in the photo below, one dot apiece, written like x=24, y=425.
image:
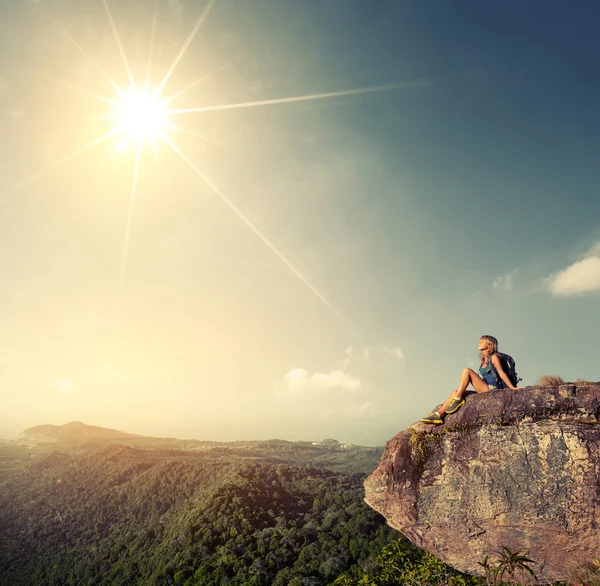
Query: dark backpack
x=508, y=365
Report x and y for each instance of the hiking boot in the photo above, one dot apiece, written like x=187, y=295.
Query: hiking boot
x=434, y=418
x=457, y=403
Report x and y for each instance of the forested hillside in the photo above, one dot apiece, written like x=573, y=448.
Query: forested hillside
x=76, y=510
x=329, y=453
x=118, y=515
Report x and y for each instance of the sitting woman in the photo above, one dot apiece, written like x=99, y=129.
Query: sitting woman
x=491, y=377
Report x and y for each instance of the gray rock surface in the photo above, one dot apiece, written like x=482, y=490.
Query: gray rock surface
x=519, y=469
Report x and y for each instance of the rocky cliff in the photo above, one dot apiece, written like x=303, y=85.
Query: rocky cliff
x=519, y=469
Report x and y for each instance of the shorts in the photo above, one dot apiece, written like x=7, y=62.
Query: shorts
x=492, y=388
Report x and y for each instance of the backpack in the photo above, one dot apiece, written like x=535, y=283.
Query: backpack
x=508, y=365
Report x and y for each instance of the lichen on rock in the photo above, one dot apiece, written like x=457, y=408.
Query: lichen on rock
x=519, y=469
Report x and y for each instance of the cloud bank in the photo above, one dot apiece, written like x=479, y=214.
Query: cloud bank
x=338, y=393
x=332, y=395
x=298, y=382
x=579, y=278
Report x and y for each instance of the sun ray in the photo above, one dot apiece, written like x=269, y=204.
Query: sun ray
x=258, y=233
x=185, y=46
x=152, y=34
x=158, y=132
x=154, y=149
x=379, y=88
x=78, y=88
x=58, y=121
x=64, y=160
x=86, y=56
x=119, y=44
x=130, y=217
x=198, y=136
x=204, y=78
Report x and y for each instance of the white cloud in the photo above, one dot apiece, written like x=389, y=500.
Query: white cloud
x=581, y=277
x=505, y=281
x=299, y=382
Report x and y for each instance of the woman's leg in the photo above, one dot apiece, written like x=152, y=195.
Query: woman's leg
x=468, y=376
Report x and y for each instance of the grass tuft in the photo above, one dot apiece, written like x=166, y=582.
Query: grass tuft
x=549, y=380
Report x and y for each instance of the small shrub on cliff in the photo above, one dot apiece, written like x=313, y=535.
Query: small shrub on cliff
x=510, y=564
x=549, y=380
x=581, y=382
x=403, y=563
x=421, y=443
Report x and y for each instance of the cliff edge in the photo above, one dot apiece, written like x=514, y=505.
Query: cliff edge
x=519, y=469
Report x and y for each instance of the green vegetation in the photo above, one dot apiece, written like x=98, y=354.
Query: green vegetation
x=510, y=564
x=401, y=562
x=421, y=443
x=245, y=513
x=12, y=457
x=123, y=516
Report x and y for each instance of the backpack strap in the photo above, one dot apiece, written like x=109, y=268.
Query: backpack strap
x=500, y=384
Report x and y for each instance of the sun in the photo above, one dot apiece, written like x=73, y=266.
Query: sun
x=142, y=115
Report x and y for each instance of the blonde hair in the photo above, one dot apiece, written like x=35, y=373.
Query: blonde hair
x=483, y=356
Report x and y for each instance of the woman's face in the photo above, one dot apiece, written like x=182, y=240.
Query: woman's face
x=483, y=345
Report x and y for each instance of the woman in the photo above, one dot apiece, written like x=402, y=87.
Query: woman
x=491, y=377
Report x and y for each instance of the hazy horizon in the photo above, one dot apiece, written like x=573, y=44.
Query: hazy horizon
x=18, y=436
x=354, y=195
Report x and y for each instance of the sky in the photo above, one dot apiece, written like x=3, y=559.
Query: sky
x=308, y=269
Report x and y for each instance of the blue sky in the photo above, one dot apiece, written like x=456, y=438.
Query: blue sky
x=460, y=202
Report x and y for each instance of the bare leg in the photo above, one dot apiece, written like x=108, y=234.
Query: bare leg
x=468, y=376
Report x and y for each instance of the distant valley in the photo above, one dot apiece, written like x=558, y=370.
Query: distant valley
x=88, y=505
x=76, y=437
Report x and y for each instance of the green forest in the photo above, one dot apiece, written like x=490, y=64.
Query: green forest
x=256, y=514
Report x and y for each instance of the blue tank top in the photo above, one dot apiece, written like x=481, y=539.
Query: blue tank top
x=488, y=373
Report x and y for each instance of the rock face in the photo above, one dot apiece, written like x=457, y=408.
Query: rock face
x=519, y=469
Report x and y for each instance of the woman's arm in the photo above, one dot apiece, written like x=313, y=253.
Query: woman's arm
x=498, y=366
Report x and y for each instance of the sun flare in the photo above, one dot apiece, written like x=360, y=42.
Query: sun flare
x=142, y=115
